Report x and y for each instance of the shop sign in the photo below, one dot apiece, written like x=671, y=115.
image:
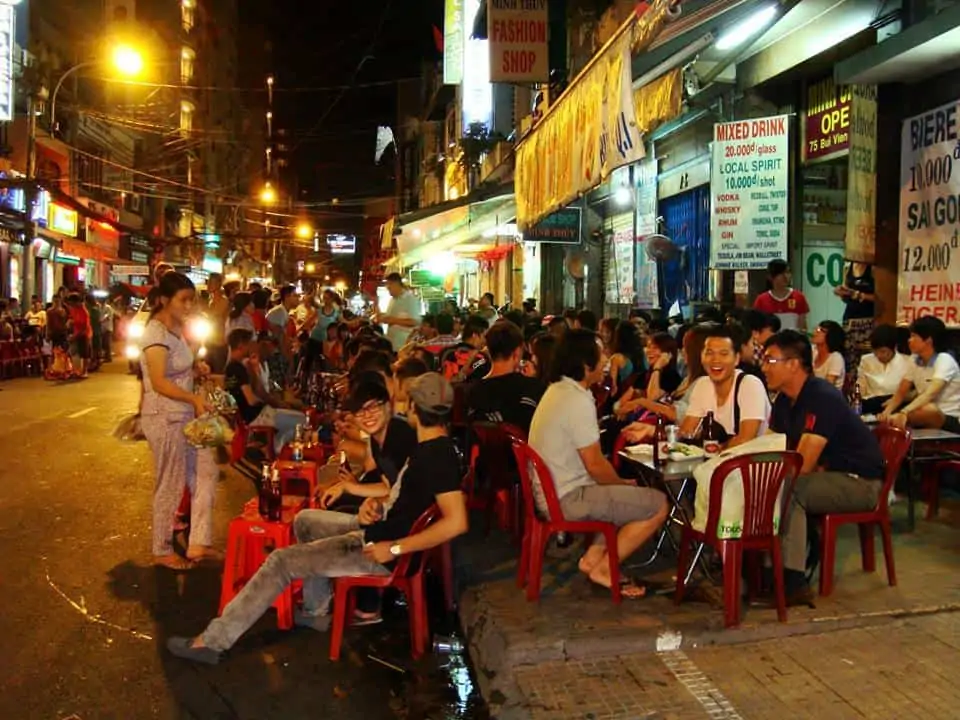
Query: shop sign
x=827, y=122
x=822, y=273
x=646, y=180
x=862, y=176
x=562, y=227
x=139, y=257
x=476, y=91
x=62, y=220
x=620, y=247
x=342, y=244
x=517, y=30
x=930, y=216
x=15, y=199
x=7, y=33
x=128, y=270
x=453, y=31
x=749, y=188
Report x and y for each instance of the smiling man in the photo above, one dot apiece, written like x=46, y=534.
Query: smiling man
x=738, y=401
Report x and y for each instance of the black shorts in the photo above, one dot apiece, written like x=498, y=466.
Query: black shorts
x=81, y=348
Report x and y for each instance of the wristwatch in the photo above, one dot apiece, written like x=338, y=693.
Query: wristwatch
x=395, y=550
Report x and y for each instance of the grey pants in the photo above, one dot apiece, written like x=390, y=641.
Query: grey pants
x=819, y=493
x=337, y=551
x=177, y=465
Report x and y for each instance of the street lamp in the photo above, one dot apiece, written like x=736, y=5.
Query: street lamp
x=268, y=196
x=125, y=60
x=304, y=231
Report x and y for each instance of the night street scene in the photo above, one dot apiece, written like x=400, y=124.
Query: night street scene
x=472, y=359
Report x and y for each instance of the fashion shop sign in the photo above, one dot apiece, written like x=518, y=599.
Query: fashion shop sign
x=517, y=30
x=930, y=216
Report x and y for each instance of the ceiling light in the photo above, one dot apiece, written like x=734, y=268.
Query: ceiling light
x=747, y=29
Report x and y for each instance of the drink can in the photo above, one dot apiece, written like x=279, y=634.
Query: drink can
x=673, y=434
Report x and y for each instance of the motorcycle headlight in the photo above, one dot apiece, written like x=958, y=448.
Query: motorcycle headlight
x=135, y=331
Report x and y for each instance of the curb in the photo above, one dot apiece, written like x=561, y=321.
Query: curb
x=495, y=657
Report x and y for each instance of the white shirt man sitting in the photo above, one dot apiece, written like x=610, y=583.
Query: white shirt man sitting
x=565, y=433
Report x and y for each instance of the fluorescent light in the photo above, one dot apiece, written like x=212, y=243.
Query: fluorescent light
x=622, y=196
x=747, y=29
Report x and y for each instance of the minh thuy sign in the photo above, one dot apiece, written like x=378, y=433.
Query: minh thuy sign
x=827, y=122
x=517, y=31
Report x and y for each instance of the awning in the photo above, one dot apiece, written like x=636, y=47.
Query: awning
x=928, y=48
x=466, y=222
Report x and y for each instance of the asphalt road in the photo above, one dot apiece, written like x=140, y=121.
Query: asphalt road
x=84, y=614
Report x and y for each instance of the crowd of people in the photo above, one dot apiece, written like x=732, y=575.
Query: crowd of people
x=571, y=383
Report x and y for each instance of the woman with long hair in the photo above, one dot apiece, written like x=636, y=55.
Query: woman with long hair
x=661, y=378
x=169, y=403
x=829, y=341
x=241, y=314
x=626, y=351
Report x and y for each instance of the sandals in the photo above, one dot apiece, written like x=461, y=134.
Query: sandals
x=363, y=620
x=205, y=554
x=182, y=647
x=174, y=562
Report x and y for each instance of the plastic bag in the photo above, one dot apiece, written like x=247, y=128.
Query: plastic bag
x=219, y=399
x=208, y=430
x=128, y=429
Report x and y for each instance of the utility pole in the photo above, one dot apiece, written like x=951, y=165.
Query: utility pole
x=27, y=263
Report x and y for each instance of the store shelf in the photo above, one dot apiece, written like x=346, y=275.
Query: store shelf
x=824, y=231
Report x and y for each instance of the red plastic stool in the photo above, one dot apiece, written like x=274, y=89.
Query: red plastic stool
x=314, y=453
x=295, y=475
x=247, y=540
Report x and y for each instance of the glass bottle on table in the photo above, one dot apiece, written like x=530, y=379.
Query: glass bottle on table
x=711, y=437
x=296, y=446
x=661, y=448
x=263, y=496
x=856, y=400
x=276, y=497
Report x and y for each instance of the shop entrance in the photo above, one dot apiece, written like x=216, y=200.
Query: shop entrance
x=686, y=221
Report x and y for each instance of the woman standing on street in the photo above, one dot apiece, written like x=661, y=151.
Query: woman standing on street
x=168, y=405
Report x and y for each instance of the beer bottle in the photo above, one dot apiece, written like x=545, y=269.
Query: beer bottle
x=711, y=441
x=856, y=401
x=661, y=448
x=296, y=446
x=276, y=497
x=263, y=496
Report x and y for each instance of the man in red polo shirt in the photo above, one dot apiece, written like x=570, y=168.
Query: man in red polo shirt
x=781, y=300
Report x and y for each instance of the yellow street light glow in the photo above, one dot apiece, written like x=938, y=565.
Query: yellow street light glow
x=268, y=195
x=127, y=60
x=341, y=286
x=310, y=267
x=304, y=231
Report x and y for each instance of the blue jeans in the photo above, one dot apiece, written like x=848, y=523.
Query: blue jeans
x=283, y=421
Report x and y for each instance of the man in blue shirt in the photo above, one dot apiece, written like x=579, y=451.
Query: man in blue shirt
x=842, y=461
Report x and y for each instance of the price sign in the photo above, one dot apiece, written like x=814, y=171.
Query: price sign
x=929, y=215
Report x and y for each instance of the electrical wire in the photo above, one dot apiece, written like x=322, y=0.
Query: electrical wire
x=276, y=88
x=356, y=71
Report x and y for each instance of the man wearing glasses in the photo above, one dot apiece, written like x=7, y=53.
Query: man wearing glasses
x=842, y=462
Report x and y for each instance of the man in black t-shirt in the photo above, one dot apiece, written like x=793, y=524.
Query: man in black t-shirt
x=842, y=462
x=466, y=360
x=505, y=395
x=367, y=544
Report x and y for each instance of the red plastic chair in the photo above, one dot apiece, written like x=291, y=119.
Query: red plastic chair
x=895, y=444
x=537, y=531
x=764, y=477
x=299, y=478
x=407, y=576
x=242, y=436
x=501, y=494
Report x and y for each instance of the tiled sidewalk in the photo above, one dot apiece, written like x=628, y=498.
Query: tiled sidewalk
x=575, y=623
x=897, y=671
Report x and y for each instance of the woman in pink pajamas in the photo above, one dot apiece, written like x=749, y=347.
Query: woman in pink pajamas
x=169, y=404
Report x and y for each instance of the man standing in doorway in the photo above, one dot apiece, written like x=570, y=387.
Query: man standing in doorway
x=403, y=312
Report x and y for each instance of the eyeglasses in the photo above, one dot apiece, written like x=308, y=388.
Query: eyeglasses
x=768, y=360
x=370, y=408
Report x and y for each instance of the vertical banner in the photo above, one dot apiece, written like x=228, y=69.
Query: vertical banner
x=453, y=37
x=930, y=216
x=7, y=33
x=517, y=30
x=476, y=91
x=645, y=175
x=862, y=176
x=619, y=275
x=749, y=179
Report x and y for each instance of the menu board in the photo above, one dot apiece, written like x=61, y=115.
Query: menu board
x=749, y=183
x=930, y=216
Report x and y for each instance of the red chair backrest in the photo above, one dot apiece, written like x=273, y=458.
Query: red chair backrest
x=493, y=444
x=403, y=566
x=764, y=476
x=526, y=457
x=894, y=444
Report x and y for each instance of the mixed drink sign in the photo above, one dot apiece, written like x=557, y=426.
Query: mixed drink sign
x=748, y=186
x=930, y=216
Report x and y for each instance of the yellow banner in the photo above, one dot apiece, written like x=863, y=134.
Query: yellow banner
x=861, y=243
x=596, y=126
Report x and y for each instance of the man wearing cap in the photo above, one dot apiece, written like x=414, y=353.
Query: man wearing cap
x=348, y=545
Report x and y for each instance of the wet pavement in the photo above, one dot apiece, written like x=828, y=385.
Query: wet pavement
x=85, y=615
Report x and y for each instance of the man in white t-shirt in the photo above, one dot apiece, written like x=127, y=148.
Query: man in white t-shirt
x=936, y=378
x=403, y=312
x=739, y=402
x=565, y=433
x=278, y=317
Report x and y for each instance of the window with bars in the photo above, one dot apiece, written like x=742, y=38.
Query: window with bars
x=89, y=164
